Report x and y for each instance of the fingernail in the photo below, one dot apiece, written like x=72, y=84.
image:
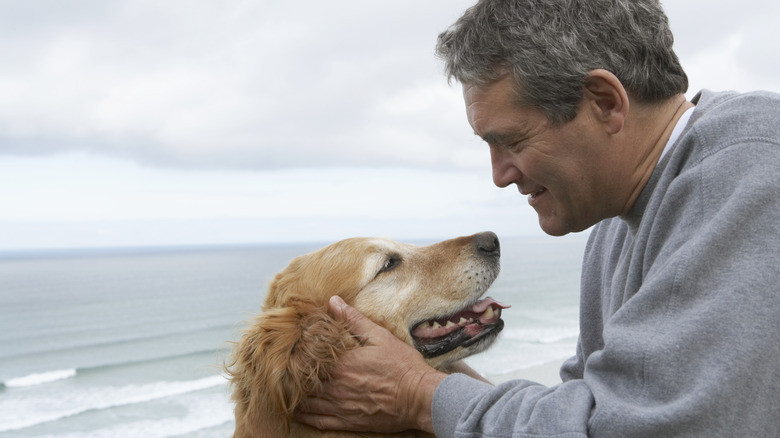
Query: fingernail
x=337, y=303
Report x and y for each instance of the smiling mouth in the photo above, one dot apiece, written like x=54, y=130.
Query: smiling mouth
x=537, y=193
x=482, y=321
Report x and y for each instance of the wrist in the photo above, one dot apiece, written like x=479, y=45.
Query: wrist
x=421, y=398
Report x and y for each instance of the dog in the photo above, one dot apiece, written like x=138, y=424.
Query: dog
x=427, y=296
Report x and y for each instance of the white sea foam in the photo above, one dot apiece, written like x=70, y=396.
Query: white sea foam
x=18, y=413
x=203, y=412
x=519, y=349
x=39, y=378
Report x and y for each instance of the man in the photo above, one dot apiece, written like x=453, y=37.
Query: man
x=581, y=104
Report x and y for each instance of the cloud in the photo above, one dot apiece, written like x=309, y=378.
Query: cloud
x=136, y=122
x=725, y=45
x=255, y=85
x=273, y=84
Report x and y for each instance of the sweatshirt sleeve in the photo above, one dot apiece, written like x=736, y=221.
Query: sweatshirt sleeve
x=465, y=407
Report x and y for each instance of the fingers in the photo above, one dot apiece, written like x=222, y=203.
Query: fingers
x=338, y=307
x=316, y=412
x=383, y=386
x=359, y=325
x=347, y=413
x=321, y=422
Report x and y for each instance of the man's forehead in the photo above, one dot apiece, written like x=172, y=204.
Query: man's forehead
x=496, y=99
x=503, y=87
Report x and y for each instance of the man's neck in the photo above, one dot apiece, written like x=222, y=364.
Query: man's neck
x=651, y=127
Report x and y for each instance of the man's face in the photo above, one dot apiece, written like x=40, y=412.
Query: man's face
x=565, y=170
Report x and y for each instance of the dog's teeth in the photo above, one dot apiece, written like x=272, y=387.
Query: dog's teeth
x=488, y=314
x=450, y=324
x=423, y=325
x=436, y=325
x=463, y=320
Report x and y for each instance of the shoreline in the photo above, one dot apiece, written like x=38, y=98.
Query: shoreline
x=547, y=374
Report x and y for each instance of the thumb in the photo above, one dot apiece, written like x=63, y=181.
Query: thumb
x=338, y=307
x=359, y=325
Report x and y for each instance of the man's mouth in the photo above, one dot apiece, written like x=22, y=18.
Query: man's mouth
x=537, y=193
x=462, y=329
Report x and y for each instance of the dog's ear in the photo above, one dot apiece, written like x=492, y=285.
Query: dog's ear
x=284, y=355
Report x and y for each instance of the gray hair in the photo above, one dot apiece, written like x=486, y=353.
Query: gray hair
x=549, y=46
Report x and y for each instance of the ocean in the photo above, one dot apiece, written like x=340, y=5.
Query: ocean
x=130, y=342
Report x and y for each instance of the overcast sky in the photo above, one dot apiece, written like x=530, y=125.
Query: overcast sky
x=197, y=122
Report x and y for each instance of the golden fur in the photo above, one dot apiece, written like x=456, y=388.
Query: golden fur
x=290, y=347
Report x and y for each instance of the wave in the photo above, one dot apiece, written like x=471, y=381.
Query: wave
x=22, y=412
x=206, y=416
x=217, y=353
x=522, y=349
x=44, y=377
x=90, y=343
x=39, y=378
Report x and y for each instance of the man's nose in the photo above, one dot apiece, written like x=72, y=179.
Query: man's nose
x=504, y=170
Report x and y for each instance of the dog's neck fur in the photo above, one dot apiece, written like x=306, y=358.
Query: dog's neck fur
x=287, y=354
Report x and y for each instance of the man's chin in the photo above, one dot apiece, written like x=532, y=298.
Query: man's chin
x=554, y=227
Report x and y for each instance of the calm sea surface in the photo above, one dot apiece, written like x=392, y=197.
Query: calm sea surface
x=129, y=343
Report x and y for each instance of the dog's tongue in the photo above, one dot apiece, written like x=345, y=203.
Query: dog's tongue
x=481, y=306
x=483, y=312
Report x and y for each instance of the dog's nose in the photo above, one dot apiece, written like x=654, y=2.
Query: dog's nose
x=487, y=243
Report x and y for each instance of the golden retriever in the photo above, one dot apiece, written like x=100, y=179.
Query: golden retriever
x=427, y=296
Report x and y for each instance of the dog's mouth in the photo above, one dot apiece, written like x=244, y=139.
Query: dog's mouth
x=479, y=322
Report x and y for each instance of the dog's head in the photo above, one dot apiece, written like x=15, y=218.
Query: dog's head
x=427, y=296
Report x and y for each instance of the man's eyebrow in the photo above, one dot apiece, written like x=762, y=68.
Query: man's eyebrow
x=498, y=138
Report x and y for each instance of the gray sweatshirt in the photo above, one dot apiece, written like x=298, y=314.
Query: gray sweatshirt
x=680, y=302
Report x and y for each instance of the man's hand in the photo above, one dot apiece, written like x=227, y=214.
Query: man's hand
x=382, y=386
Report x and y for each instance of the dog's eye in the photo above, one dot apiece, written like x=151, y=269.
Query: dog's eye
x=390, y=263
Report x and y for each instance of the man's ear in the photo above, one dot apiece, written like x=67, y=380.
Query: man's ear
x=607, y=98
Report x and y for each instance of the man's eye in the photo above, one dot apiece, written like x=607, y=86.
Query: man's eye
x=391, y=263
x=513, y=147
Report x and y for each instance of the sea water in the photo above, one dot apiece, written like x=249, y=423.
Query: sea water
x=130, y=342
